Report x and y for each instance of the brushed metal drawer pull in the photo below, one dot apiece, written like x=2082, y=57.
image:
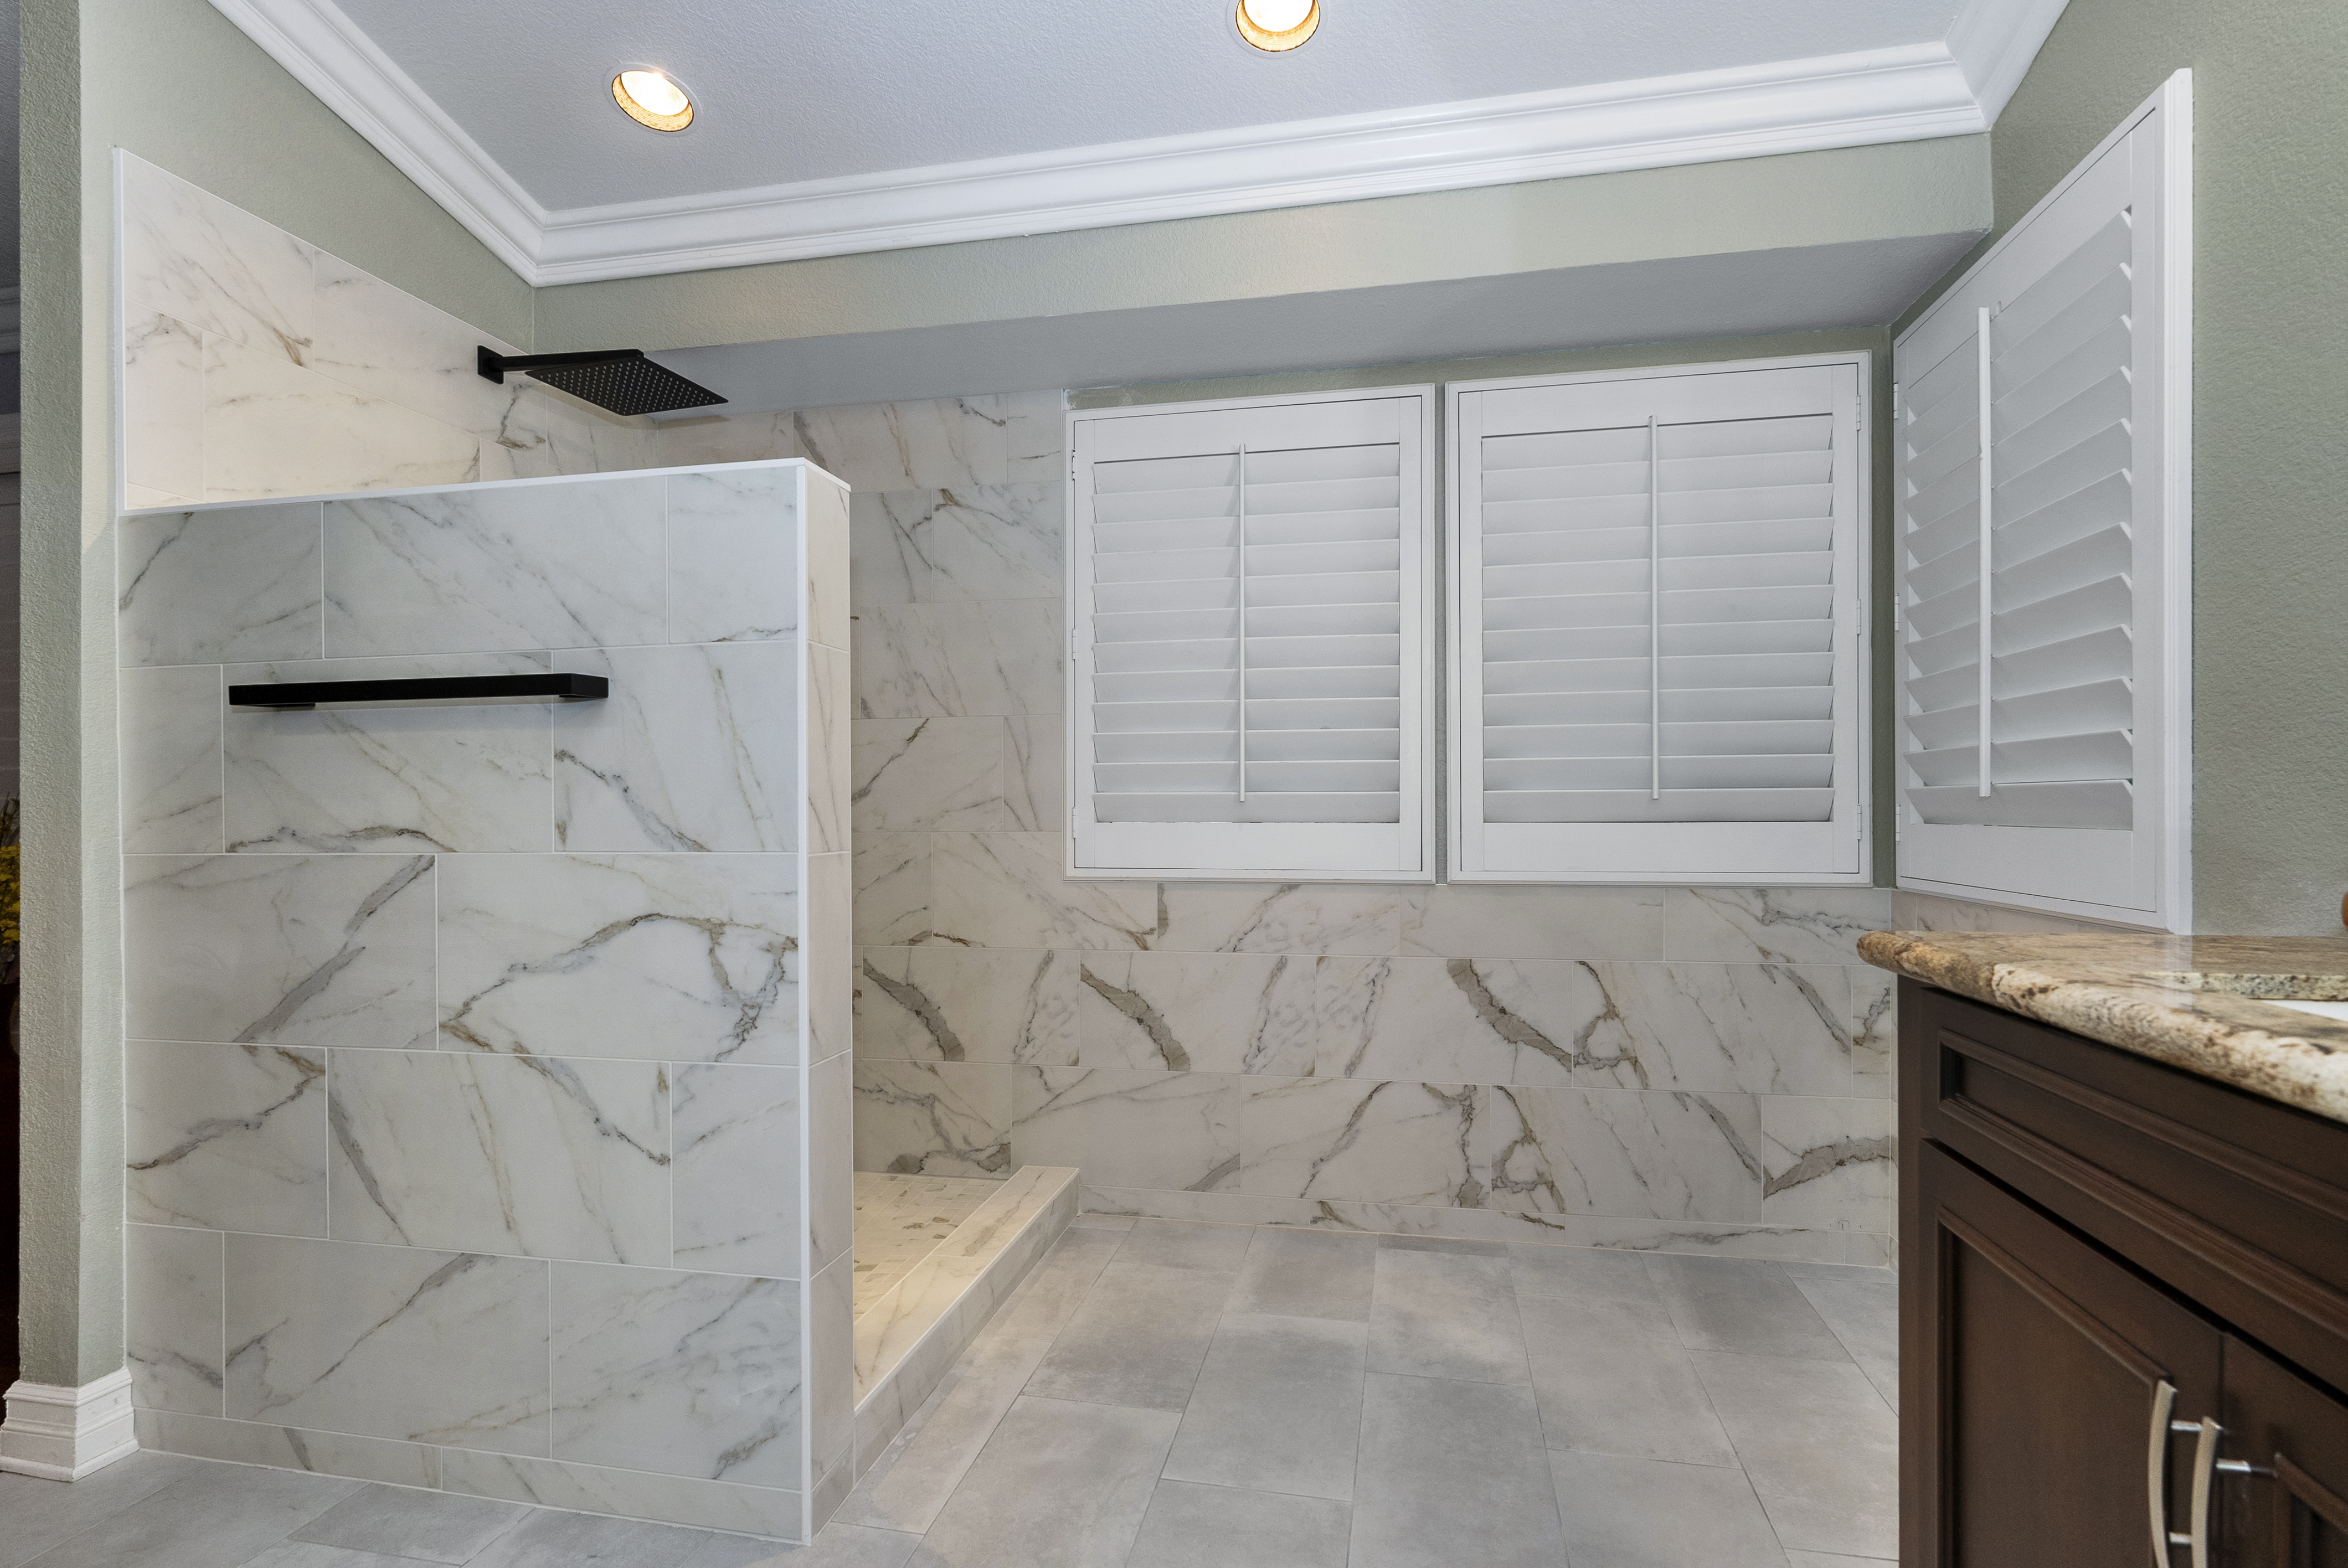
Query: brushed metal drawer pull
x=2155, y=1479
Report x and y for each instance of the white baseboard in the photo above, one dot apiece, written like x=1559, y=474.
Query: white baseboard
x=63, y=1434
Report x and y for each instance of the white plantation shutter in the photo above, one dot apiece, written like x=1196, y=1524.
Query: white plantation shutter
x=1248, y=655
x=1657, y=578
x=2056, y=608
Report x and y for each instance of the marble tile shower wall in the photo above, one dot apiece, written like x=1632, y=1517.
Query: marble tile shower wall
x=255, y=365
x=488, y=1085
x=1698, y=1069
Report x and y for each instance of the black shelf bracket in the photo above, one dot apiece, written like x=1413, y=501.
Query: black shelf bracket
x=423, y=689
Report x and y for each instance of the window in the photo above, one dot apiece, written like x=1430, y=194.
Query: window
x=2041, y=467
x=1249, y=655
x=1657, y=580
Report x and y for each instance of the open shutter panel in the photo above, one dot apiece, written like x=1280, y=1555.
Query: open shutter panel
x=1256, y=656
x=1662, y=628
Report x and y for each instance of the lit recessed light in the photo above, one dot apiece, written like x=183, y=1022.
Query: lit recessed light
x=1277, y=25
x=651, y=98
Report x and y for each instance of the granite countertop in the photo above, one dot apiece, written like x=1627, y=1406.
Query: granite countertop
x=2189, y=1001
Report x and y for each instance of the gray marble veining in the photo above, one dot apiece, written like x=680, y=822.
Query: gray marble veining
x=737, y=1194
x=231, y=1137
x=204, y=587
x=733, y=555
x=171, y=726
x=171, y=1329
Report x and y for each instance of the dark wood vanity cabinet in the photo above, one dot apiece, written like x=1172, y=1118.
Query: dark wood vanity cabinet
x=2094, y=1245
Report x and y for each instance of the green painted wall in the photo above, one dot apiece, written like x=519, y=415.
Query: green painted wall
x=176, y=83
x=2270, y=375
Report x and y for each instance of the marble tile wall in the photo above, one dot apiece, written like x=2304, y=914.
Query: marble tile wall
x=1692, y=1068
x=255, y=365
x=489, y=1086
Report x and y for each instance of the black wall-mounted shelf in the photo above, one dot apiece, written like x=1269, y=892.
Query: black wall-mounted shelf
x=422, y=690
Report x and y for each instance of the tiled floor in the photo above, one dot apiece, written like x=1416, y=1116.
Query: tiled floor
x=899, y=1220
x=1168, y=1396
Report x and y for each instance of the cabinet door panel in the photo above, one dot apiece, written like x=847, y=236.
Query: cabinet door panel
x=2296, y=1517
x=2047, y=1359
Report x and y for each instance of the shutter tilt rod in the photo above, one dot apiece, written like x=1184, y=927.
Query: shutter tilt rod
x=1987, y=415
x=1655, y=615
x=1243, y=633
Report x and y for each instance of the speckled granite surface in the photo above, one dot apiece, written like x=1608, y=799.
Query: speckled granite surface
x=2191, y=1001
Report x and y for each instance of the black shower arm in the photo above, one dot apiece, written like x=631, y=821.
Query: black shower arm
x=493, y=365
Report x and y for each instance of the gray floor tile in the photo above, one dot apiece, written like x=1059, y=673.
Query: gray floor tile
x=43, y=1513
x=1640, y=1513
x=1612, y=1378
x=1139, y=1337
x=1278, y=1408
x=309, y=1554
x=911, y=1479
x=1820, y=1444
x=835, y=1546
x=1743, y=1307
x=1301, y=1274
x=400, y=1522
x=1102, y=1223
x=215, y=1516
x=1582, y=1274
x=1822, y=1560
x=1452, y=1473
x=550, y=1540
x=1172, y=1244
x=1061, y=1485
x=1862, y=1307
x=1223, y=1527
x=1442, y=1244
x=1447, y=1314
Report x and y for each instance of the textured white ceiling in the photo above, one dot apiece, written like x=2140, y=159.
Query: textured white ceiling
x=790, y=90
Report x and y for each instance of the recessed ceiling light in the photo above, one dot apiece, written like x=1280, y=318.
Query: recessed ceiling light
x=1277, y=25
x=651, y=98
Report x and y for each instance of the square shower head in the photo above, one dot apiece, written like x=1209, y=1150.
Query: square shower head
x=622, y=380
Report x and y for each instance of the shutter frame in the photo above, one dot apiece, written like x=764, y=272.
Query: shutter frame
x=2056, y=720
x=1318, y=647
x=1687, y=848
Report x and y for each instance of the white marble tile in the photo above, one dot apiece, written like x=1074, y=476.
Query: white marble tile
x=204, y=587
x=733, y=555
x=1206, y=1012
x=928, y=776
x=883, y=566
x=231, y=1137
x=1125, y=1128
x=1828, y=1164
x=696, y=749
x=677, y=1374
x=386, y=343
x=1009, y=890
x=1619, y=1152
x=738, y=1132
x=1874, y=1033
x=1458, y=920
x=831, y=1362
x=831, y=772
x=830, y=948
x=172, y=1318
x=274, y=428
x=446, y=778
x=391, y=1342
x=186, y=253
x=576, y=564
x=539, y=1157
x=579, y=438
x=1289, y=918
x=962, y=1004
x=627, y=1494
x=828, y=562
x=1931, y=912
x=292, y=1447
x=990, y=542
x=135, y=497
x=961, y=660
x=1348, y=1138
x=1773, y=925
x=1036, y=774
x=934, y=1118
x=662, y=956
x=831, y=1124
x=726, y=438
x=1036, y=436
x=934, y=445
x=281, y=949
x=170, y=728
x=163, y=405
x=893, y=888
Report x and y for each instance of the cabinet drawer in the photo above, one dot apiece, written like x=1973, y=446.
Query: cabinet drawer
x=2240, y=1203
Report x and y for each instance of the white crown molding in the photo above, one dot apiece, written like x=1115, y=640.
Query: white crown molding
x=63, y=1434
x=1906, y=94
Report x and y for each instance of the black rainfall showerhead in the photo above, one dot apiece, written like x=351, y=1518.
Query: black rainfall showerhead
x=621, y=379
